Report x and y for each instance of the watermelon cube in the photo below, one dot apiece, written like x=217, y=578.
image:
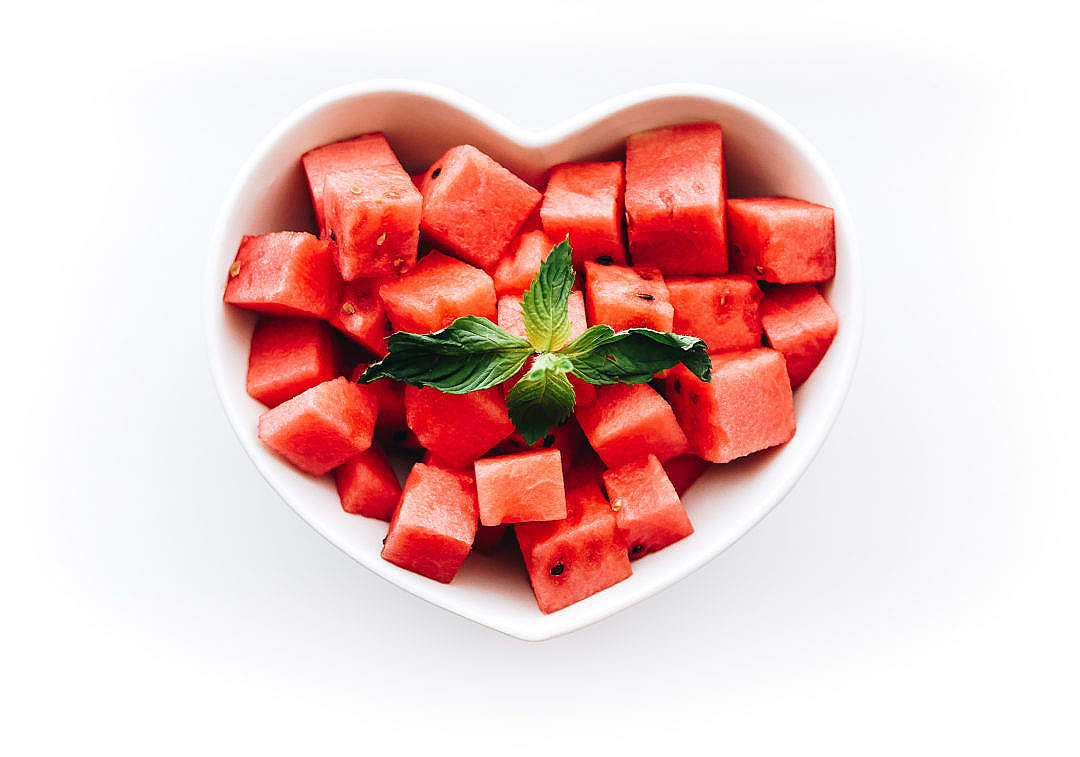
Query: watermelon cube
x=488, y=538
x=360, y=315
x=367, y=485
x=684, y=470
x=457, y=427
x=782, y=240
x=628, y=422
x=323, y=427
x=289, y=356
x=648, y=512
x=746, y=407
x=798, y=322
x=525, y=486
x=473, y=206
x=625, y=298
x=571, y=559
x=373, y=213
x=585, y=201
x=390, y=398
x=437, y=292
x=518, y=267
x=284, y=273
x=433, y=527
x=675, y=191
x=347, y=155
x=721, y=310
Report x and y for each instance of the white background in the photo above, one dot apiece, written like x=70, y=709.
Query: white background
x=916, y=593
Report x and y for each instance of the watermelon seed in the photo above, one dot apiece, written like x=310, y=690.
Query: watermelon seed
x=605, y=260
x=389, y=329
x=678, y=387
x=648, y=297
x=693, y=397
x=723, y=299
x=557, y=569
x=549, y=440
x=637, y=549
x=759, y=269
x=436, y=172
x=349, y=308
x=333, y=236
x=234, y=269
x=380, y=240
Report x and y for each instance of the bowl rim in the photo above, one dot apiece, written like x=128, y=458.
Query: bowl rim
x=544, y=626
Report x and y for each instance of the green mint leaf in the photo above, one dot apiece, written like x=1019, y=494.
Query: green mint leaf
x=545, y=304
x=634, y=356
x=542, y=399
x=468, y=355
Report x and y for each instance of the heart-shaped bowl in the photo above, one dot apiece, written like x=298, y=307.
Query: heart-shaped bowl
x=765, y=156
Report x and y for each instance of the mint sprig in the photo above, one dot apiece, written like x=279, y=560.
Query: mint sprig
x=473, y=353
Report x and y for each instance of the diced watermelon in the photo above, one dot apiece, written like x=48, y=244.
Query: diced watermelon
x=782, y=240
x=457, y=427
x=722, y=310
x=648, y=512
x=625, y=298
x=289, y=356
x=526, y=486
x=566, y=438
x=284, y=273
x=571, y=559
x=433, y=527
x=473, y=206
x=367, y=485
x=512, y=320
x=436, y=293
x=361, y=316
x=390, y=397
x=585, y=201
x=684, y=470
x=675, y=191
x=323, y=427
x=488, y=538
x=799, y=322
x=629, y=421
x=366, y=150
x=747, y=406
x=519, y=266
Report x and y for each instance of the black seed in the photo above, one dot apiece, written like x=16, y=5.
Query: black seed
x=549, y=440
x=333, y=237
x=399, y=436
x=605, y=260
x=557, y=569
x=678, y=387
x=648, y=297
x=384, y=541
x=637, y=549
x=436, y=172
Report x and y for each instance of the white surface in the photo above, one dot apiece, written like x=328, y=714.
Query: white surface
x=915, y=593
x=764, y=155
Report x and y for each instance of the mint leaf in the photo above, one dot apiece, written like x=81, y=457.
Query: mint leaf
x=633, y=356
x=468, y=355
x=542, y=399
x=545, y=304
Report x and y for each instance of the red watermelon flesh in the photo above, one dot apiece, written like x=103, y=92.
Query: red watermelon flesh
x=722, y=310
x=323, y=427
x=519, y=266
x=473, y=206
x=289, y=356
x=648, y=512
x=571, y=559
x=799, y=322
x=390, y=397
x=626, y=298
x=361, y=316
x=284, y=273
x=782, y=240
x=629, y=421
x=367, y=485
x=433, y=527
x=457, y=427
x=436, y=293
x=675, y=191
x=525, y=486
x=746, y=407
x=684, y=470
x=488, y=538
x=566, y=438
x=585, y=201
x=367, y=150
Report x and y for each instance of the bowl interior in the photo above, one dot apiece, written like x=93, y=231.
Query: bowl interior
x=765, y=156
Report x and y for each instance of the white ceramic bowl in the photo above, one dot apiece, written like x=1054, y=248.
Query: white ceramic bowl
x=765, y=156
